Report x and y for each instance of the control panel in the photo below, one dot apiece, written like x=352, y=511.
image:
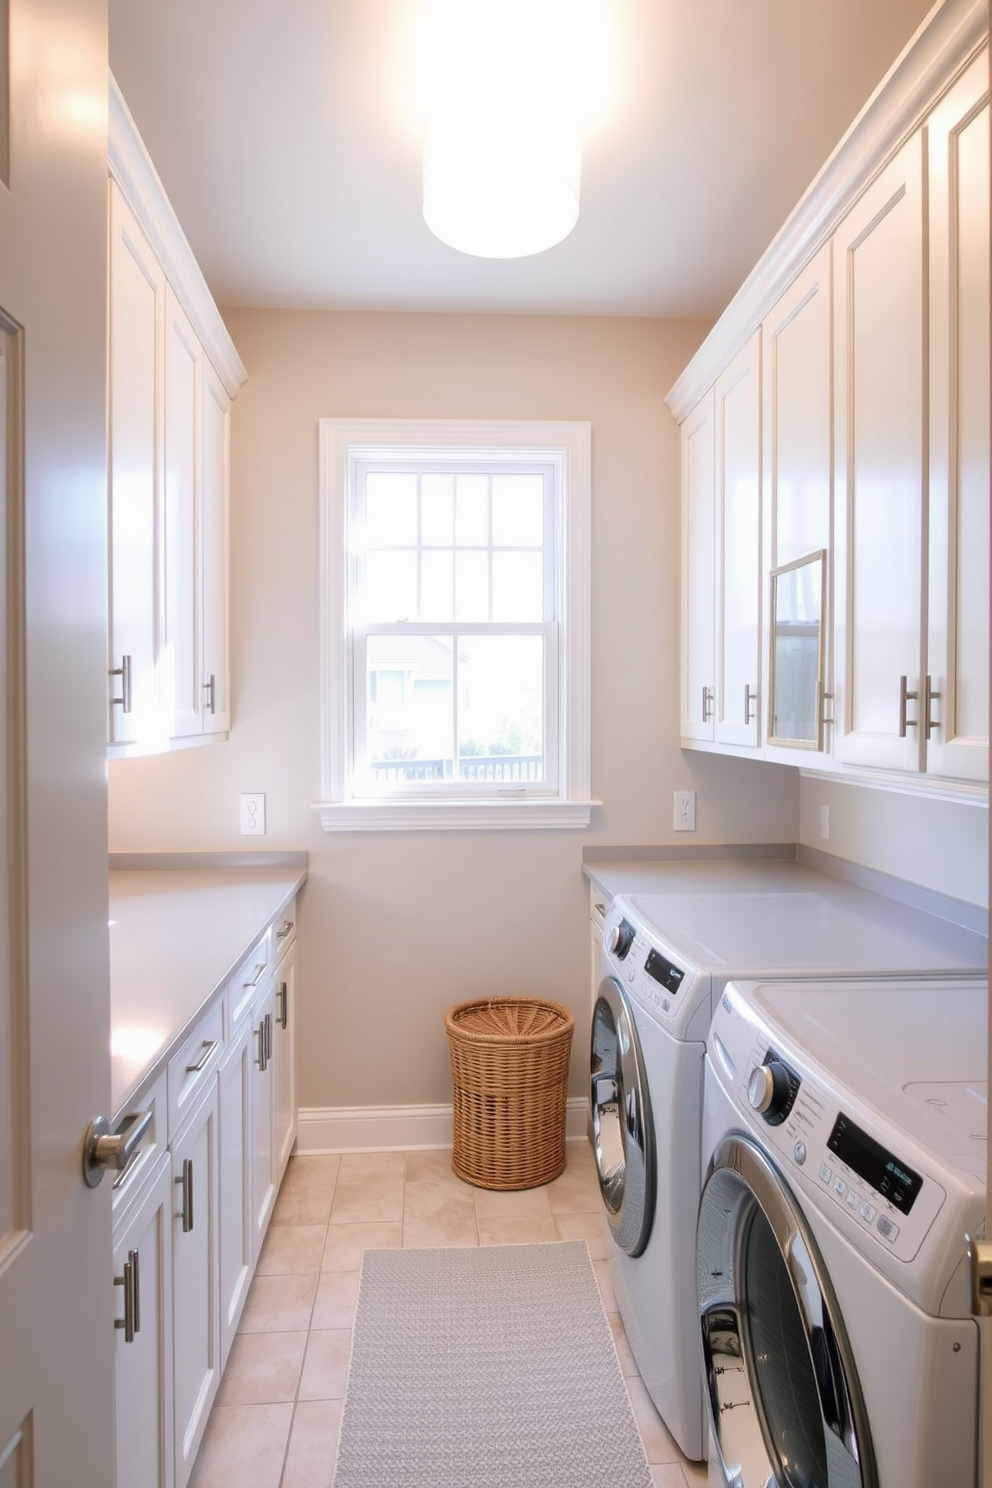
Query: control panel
x=651, y=976
x=858, y=1173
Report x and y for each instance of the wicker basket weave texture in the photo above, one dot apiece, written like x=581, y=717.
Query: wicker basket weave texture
x=509, y=1069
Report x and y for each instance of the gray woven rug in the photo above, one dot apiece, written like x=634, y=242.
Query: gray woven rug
x=485, y=1368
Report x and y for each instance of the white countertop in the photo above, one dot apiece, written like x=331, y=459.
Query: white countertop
x=176, y=937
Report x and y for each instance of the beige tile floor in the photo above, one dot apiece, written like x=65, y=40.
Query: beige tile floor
x=275, y=1421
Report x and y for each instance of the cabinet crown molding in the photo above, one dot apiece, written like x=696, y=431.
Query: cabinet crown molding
x=946, y=41
x=133, y=169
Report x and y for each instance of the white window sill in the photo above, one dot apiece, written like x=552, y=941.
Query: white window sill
x=451, y=816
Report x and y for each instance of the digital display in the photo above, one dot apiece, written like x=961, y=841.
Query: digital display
x=663, y=971
x=870, y=1160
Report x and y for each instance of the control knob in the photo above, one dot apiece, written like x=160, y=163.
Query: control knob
x=621, y=939
x=769, y=1089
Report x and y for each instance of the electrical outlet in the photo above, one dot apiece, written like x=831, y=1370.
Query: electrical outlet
x=825, y=823
x=685, y=811
x=253, y=815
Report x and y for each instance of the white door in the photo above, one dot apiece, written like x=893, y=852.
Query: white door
x=56, y=1284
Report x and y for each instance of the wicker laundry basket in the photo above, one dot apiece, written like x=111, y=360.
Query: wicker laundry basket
x=509, y=1070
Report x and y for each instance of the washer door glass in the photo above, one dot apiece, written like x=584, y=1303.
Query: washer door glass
x=785, y=1404
x=623, y=1131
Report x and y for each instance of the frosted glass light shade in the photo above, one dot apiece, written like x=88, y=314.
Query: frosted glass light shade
x=501, y=175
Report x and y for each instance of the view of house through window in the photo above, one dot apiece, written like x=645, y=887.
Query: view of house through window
x=453, y=603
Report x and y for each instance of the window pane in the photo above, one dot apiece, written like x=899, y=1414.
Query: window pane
x=390, y=508
x=390, y=587
x=437, y=510
x=410, y=729
x=518, y=511
x=501, y=708
x=518, y=586
x=437, y=586
x=472, y=511
x=471, y=586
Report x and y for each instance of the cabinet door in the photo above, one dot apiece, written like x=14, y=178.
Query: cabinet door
x=284, y=1059
x=796, y=437
x=195, y=1312
x=958, y=605
x=214, y=602
x=698, y=571
x=235, y=1239
x=143, y=1370
x=263, y=1095
x=738, y=547
x=879, y=425
x=136, y=331
x=178, y=654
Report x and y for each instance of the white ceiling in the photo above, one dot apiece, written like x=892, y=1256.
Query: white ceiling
x=288, y=139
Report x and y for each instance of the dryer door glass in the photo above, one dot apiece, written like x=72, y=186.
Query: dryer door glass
x=623, y=1132
x=785, y=1405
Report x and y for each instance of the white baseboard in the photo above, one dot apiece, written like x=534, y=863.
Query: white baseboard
x=397, y=1128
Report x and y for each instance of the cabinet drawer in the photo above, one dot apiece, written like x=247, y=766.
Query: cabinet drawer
x=244, y=984
x=127, y=1184
x=195, y=1064
x=284, y=932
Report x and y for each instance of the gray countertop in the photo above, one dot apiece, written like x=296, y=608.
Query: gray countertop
x=177, y=935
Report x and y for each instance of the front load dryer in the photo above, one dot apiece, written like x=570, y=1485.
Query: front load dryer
x=665, y=958
x=845, y=1127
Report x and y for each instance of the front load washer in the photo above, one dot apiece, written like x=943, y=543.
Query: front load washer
x=845, y=1126
x=665, y=958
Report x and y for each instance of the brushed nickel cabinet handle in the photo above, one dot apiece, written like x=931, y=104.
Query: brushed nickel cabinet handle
x=707, y=704
x=186, y=1195
x=282, y=997
x=124, y=672
x=268, y=1039
x=254, y=980
x=929, y=722
x=749, y=698
x=260, y=1058
x=131, y=1321
x=210, y=688
x=284, y=929
x=904, y=697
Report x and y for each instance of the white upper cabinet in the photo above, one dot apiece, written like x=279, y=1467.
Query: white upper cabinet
x=865, y=417
x=955, y=705
x=879, y=416
x=173, y=373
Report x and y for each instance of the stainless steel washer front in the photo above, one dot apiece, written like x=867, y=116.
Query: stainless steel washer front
x=623, y=1130
x=785, y=1404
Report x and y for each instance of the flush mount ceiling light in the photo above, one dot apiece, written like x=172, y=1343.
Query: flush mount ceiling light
x=501, y=173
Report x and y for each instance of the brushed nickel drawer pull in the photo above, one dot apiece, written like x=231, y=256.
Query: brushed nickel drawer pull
x=284, y=929
x=124, y=672
x=254, y=980
x=210, y=688
x=209, y=1045
x=131, y=1321
x=186, y=1190
x=282, y=997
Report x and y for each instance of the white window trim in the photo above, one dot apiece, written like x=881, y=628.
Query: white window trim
x=343, y=440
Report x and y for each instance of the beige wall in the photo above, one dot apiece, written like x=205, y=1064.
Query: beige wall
x=397, y=926
x=941, y=845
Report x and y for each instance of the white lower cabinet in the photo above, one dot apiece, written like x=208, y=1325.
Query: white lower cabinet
x=195, y=1310
x=143, y=1323
x=190, y=1217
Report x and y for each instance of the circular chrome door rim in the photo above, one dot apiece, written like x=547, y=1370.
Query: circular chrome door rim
x=740, y=1175
x=623, y=1127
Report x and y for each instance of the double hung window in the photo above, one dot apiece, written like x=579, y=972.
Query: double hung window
x=455, y=624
